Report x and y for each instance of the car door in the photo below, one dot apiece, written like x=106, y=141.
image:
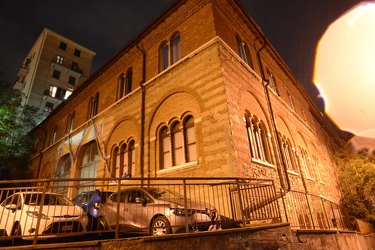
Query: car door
x=11, y=211
x=138, y=209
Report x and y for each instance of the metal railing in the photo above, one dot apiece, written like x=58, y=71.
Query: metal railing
x=154, y=206
x=307, y=211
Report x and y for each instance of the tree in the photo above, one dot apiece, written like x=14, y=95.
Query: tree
x=16, y=121
x=356, y=174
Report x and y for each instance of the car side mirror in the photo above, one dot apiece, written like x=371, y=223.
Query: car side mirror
x=12, y=207
x=141, y=200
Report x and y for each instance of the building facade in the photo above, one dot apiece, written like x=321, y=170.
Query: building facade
x=199, y=92
x=52, y=70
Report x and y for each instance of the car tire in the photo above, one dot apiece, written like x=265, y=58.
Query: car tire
x=16, y=231
x=160, y=226
x=102, y=224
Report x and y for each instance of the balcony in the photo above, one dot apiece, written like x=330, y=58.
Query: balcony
x=71, y=68
x=22, y=72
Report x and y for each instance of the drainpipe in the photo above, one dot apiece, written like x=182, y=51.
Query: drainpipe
x=41, y=153
x=143, y=108
x=282, y=172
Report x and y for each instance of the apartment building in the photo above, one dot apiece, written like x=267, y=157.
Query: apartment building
x=52, y=70
x=198, y=92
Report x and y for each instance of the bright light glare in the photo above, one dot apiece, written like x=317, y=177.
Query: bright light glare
x=345, y=70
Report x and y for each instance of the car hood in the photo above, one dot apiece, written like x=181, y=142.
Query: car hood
x=190, y=204
x=58, y=211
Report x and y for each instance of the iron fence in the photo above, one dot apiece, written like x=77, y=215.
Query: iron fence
x=307, y=211
x=33, y=210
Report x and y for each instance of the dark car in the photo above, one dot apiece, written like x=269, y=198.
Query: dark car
x=91, y=206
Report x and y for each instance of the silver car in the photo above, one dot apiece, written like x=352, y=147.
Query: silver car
x=56, y=214
x=156, y=211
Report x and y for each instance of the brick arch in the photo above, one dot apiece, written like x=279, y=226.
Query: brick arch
x=122, y=131
x=168, y=109
x=248, y=101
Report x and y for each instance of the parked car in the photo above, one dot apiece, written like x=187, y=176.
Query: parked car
x=156, y=211
x=20, y=212
x=90, y=202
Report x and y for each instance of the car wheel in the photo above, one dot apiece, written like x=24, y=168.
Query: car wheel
x=160, y=226
x=102, y=225
x=16, y=231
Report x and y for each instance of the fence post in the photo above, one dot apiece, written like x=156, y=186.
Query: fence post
x=311, y=215
x=35, y=240
x=241, y=205
x=185, y=205
x=118, y=207
x=282, y=199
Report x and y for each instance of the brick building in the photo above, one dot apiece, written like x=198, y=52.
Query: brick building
x=54, y=67
x=198, y=92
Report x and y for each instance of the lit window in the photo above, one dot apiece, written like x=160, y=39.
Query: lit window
x=71, y=122
x=60, y=60
x=67, y=94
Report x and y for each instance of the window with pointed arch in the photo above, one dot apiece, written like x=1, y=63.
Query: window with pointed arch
x=170, y=52
x=257, y=136
x=89, y=166
x=63, y=172
x=123, y=160
x=288, y=153
x=94, y=105
x=272, y=81
x=177, y=143
x=70, y=125
x=244, y=52
x=306, y=163
x=129, y=81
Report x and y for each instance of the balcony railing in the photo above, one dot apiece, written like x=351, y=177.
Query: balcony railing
x=66, y=65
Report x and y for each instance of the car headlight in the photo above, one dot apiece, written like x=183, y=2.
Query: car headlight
x=35, y=214
x=180, y=211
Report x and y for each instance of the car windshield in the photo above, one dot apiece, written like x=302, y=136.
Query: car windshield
x=163, y=194
x=50, y=199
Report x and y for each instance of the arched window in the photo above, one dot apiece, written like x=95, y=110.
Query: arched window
x=272, y=81
x=305, y=163
x=164, y=56
x=165, y=148
x=123, y=160
x=64, y=167
x=288, y=154
x=175, y=48
x=121, y=86
x=190, y=141
x=257, y=135
x=93, y=106
x=170, y=52
x=178, y=143
x=89, y=166
x=244, y=52
x=129, y=81
x=71, y=122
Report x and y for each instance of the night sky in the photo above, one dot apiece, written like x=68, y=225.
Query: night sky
x=294, y=27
